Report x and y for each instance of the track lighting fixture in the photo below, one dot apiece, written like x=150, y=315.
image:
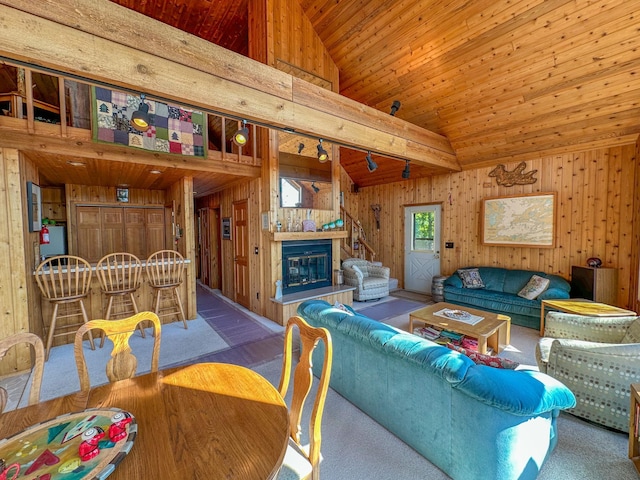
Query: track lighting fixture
x=242, y=135
x=140, y=118
x=300, y=148
x=395, y=106
x=323, y=156
x=315, y=188
x=371, y=165
x=406, y=172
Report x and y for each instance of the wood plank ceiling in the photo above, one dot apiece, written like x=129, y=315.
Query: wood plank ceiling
x=503, y=80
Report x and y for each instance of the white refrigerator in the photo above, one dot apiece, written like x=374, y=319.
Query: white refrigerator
x=57, y=242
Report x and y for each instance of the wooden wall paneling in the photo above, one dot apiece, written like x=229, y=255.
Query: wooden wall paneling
x=614, y=200
x=595, y=195
x=625, y=244
x=634, y=264
x=182, y=194
x=296, y=43
x=256, y=272
x=16, y=287
x=53, y=203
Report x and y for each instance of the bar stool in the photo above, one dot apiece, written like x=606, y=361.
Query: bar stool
x=164, y=270
x=64, y=280
x=119, y=275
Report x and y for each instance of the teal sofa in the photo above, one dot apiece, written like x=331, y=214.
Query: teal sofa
x=500, y=293
x=471, y=421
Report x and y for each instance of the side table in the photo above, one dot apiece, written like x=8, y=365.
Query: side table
x=634, y=426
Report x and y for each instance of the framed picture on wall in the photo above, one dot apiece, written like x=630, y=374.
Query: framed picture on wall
x=34, y=207
x=122, y=194
x=519, y=220
x=226, y=228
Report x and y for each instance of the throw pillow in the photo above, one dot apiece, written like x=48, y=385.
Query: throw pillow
x=470, y=278
x=534, y=287
x=633, y=333
x=344, y=308
x=488, y=360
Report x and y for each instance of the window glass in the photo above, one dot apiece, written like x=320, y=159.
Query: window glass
x=423, y=231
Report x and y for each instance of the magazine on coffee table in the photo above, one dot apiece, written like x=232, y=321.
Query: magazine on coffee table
x=459, y=316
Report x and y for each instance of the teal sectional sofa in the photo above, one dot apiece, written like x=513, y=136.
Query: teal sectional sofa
x=500, y=293
x=471, y=421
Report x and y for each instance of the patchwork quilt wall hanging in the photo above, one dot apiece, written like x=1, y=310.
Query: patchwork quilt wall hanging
x=172, y=129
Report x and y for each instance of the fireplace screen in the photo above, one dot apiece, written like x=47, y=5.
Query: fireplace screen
x=305, y=265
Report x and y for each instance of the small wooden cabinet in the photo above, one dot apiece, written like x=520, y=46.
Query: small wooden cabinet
x=634, y=426
x=597, y=284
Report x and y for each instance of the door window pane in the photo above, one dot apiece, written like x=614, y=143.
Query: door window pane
x=423, y=231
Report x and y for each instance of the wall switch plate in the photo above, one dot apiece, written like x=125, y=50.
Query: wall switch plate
x=448, y=244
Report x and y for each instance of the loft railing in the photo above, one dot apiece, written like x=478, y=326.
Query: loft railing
x=355, y=245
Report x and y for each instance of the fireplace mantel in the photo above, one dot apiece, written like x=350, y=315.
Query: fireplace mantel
x=282, y=236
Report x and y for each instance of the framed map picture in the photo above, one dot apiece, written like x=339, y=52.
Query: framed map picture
x=519, y=220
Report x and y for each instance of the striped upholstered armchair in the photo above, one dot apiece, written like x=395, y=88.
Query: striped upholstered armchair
x=371, y=281
x=597, y=358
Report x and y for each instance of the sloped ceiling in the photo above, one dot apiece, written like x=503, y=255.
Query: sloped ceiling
x=503, y=80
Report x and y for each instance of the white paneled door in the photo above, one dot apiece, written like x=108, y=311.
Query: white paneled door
x=421, y=247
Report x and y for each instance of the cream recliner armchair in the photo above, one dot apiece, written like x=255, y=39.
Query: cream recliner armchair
x=371, y=281
x=597, y=358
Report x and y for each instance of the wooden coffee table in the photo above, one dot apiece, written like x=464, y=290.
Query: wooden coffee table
x=493, y=331
x=582, y=306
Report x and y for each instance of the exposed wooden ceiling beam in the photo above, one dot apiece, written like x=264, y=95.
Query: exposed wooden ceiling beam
x=174, y=65
x=82, y=146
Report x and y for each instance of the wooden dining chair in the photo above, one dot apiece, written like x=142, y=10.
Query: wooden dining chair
x=28, y=339
x=302, y=462
x=64, y=280
x=123, y=363
x=119, y=276
x=164, y=269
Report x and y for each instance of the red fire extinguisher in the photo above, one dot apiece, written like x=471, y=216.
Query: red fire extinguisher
x=44, y=235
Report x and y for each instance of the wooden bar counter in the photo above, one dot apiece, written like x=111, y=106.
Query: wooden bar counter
x=96, y=302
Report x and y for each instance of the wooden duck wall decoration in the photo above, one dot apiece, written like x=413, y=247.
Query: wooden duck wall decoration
x=516, y=177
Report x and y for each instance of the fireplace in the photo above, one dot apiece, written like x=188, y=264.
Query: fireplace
x=306, y=264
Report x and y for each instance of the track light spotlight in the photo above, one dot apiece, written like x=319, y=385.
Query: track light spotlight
x=323, y=156
x=406, y=172
x=395, y=106
x=242, y=135
x=140, y=118
x=315, y=188
x=371, y=165
x=300, y=148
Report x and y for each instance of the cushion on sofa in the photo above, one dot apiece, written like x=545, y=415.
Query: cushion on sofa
x=534, y=287
x=482, y=359
x=471, y=278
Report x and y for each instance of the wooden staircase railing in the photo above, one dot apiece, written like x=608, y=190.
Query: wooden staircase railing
x=355, y=245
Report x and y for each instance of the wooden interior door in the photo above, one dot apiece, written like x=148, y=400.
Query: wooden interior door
x=112, y=230
x=135, y=232
x=204, y=246
x=155, y=230
x=240, y=229
x=216, y=251
x=88, y=227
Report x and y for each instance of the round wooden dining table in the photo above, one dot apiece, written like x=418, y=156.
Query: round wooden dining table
x=206, y=420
